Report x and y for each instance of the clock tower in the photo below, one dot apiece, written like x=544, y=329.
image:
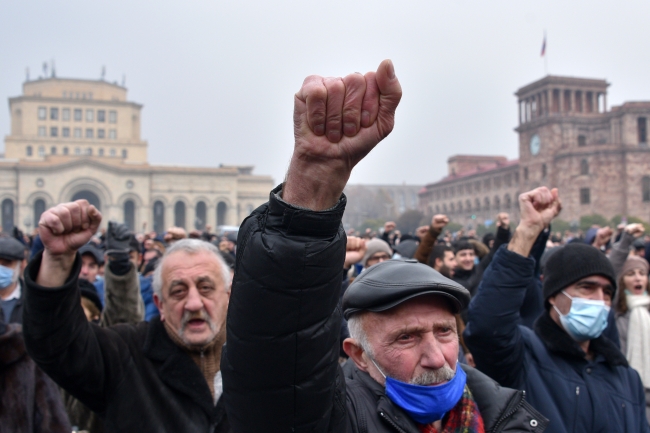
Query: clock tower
x=557, y=115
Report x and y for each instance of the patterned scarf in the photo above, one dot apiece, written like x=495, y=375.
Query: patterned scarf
x=463, y=418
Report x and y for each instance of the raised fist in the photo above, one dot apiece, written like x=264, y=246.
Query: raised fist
x=354, y=250
x=603, y=235
x=421, y=231
x=337, y=121
x=503, y=220
x=389, y=226
x=438, y=222
x=538, y=208
x=635, y=229
x=68, y=226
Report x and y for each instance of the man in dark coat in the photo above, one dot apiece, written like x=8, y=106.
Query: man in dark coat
x=571, y=373
x=280, y=366
x=12, y=261
x=158, y=376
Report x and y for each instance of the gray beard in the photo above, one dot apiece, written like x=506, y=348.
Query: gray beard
x=433, y=377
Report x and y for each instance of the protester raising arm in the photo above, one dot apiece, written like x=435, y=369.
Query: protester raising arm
x=429, y=238
x=280, y=369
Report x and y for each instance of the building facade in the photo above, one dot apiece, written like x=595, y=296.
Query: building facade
x=73, y=139
x=599, y=159
x=387, y=202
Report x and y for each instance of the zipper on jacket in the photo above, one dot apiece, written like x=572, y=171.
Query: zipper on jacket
x=575, y=413
x=510, y=412
x=390, y=421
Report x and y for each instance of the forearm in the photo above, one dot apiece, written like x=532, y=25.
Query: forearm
x=426, y=245
x=313, y=186
x=54, y=270
x=523, y=240
x=620, y=252
x=123, y=299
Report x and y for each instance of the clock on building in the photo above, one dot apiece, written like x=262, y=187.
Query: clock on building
x=535, y=144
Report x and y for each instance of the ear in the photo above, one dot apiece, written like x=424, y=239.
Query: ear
x=352, y=348
x=437, y=263
x=158, y=302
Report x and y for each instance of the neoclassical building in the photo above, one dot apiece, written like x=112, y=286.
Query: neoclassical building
x=73, y=138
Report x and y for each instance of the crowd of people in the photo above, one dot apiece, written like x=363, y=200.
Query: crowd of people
x=296, y=325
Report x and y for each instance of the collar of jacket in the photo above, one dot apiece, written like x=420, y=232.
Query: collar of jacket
x=176, y=368
x=558, y=341
x=492, y=400
x=12, y=345
x=463, y=274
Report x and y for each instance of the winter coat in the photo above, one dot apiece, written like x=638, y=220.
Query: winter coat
x=132, y=375
x=577, y=395
x=29, y=400
x=280, y=367
x=17, y=312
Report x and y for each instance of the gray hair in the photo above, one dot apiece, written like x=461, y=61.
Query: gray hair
x=190, y=246
x=355, y=326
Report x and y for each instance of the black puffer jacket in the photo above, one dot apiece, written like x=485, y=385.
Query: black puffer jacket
x=133, y=376
x=280, y=369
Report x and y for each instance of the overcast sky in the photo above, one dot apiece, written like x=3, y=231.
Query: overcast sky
x=217, y=78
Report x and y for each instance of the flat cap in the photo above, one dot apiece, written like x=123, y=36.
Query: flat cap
x=91, y=249
x=11, y=249
x=388, y=284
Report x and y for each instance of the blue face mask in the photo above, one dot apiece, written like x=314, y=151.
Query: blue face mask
x=426, y=404
x=586, y=320
x=6, y=277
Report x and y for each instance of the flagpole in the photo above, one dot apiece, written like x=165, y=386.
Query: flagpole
x=544, y=54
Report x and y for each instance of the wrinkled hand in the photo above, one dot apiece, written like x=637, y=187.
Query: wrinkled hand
x=68, y=226
x=635, y=229
x=537, y=209
x=355, y=249
x=503, y=220
x=439, y=222
x=337, y=121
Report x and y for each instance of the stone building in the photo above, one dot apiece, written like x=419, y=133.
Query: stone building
x=385, y=202
x=599, y=159
x=73, y=139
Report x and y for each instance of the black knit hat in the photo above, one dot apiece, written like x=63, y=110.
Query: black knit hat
x=572, y=263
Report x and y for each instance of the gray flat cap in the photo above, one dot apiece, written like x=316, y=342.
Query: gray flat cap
x=389, y=283
x=11, y=249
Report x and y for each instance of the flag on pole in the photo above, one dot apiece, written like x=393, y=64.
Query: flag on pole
x=544, y=45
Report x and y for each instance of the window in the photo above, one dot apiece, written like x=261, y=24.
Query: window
x=477, y=205
x=525, y=173
x=65, y=132
x=77, y=114
x=89, y=133
x=112, y=116
x=41, y=151
x=159, y=216
x=77, y=151
x=77, y=132
x=90, y=115
x=53, y=150
x=486, y=184
x=54, y=131
x=222, y=210
x=100, y=133
x=179, y=214
x=642, y=126
x=112, y=152
x=507, y=201
x=42, y=113
x=129, y=214
x=201, y=214
x=100, y=152
x=486, y=204
x=645, y=185
x=585, y=197
x=28, y=150
x=124, y=153
x=544, y=171
x=582, y=140
x=584, y=167
x=65, y=114
x=112, y=134
x=54, y=113
x=8, y=215
x=65, y=150
x=101, y=115
x=41, y=131
x=39, y=208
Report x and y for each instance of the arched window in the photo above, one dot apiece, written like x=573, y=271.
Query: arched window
x=200, y=219
x=53, y=150
x=477, y=205
x=92, y=198
x=645, y=182
x=39, y=208
x=497, y=203
x=159, y=217
x=222, y=209
x=507, y=201
x=584, y=167
x=179, y=214
x=129, y=214
x=486, y=204
x=28, y=150
x=8, y=215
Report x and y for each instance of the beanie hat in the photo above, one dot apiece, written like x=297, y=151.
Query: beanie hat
x=88, y=291
x=572, y=263
x=634, y=262
x=375, y=246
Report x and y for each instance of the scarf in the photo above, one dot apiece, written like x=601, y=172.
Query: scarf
x=207, y=358
x=463, y=418
x=638, y=336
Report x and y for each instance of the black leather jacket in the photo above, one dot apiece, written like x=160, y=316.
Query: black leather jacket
x=280, y=366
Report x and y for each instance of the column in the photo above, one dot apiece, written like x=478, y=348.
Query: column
x=561, y=107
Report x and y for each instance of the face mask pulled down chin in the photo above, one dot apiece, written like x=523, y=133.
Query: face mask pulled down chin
x=426, y=404
x=586, y=320
x=8, y=276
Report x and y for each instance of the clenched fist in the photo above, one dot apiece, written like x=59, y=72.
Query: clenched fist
x=68, y=226
x=537, y=209
x=438, y=222
x=337, y=121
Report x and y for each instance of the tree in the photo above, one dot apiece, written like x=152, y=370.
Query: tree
x=409, y=221
x=587, y=221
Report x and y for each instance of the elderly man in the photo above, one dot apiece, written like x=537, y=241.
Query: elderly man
x=570, y=371
x=280, y=366
x=12, y=259
x=158, y=376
